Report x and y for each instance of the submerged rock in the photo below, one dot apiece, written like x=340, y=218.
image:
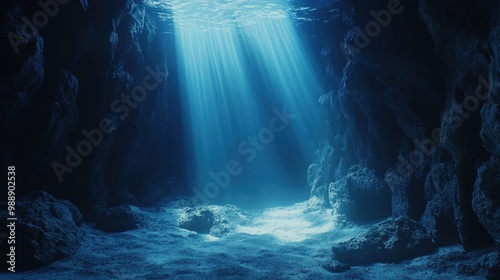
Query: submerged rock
x=47, y=229
x=392, y=240
x=120, y=218
x=360, y=196
x=213, y=219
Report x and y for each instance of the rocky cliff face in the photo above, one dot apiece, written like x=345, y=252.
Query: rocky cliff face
x=84, y=104
x=413, y=117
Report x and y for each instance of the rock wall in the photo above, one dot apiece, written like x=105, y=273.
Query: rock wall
x=84, y=103
x=414, y=104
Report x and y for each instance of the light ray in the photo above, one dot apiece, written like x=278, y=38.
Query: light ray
x=237, y=61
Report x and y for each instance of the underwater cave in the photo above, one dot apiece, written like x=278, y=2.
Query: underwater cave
x=250, y=139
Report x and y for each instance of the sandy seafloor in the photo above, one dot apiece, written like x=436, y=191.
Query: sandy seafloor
x=275, y=243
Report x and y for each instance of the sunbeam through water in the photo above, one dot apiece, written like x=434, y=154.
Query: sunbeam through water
x=246, y=81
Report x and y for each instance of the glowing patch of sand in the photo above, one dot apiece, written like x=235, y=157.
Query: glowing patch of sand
x=295, y=223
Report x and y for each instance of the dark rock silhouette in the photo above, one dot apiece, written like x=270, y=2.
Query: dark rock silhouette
x=47, y=229
x=392, y=240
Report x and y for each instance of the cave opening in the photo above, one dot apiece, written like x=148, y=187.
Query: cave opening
x=248, y=92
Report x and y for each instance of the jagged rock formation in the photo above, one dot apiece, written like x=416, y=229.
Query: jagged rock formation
x=414, y=100
x=84, y=100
